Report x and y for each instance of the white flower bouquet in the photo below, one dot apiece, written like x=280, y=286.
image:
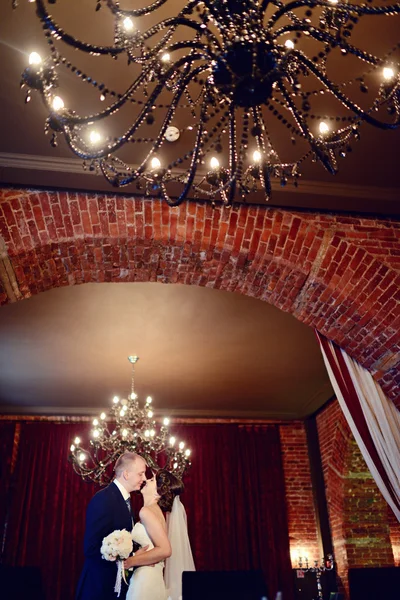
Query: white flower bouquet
x=117, y=547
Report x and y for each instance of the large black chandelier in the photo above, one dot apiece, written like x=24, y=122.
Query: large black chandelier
x=128, y=427
x=251, y=88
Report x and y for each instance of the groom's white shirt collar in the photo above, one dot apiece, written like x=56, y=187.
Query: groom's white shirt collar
x=124, y=492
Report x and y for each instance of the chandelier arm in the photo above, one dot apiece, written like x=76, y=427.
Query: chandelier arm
x=232, y=155
x=348, y=8
x=78, y=120
x=306, y=132
x=51, y=25
x=102, y=153
x=321, y=36
x=365, y=116
x=160, y=139
x=140, y=12
x=264, y=171
x=192, y=167
x=175, y=21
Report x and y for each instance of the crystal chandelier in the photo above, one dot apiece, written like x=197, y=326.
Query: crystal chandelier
x=128, y=428
x=250, y=88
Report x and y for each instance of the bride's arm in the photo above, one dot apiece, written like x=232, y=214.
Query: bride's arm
x=158, y=535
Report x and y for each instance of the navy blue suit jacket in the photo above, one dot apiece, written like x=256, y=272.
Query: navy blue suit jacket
x=106, y=512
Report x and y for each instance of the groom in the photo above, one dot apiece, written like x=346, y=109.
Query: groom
x=108, y=510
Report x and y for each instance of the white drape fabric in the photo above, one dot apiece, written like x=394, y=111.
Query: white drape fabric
x=373, y=419
x=181, y=558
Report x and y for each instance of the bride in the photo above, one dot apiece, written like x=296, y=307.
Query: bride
x=165, y=540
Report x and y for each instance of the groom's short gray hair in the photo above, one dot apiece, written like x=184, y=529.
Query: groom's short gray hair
x=124, y=460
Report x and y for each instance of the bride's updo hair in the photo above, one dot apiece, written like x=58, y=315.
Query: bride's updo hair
x=168, y=486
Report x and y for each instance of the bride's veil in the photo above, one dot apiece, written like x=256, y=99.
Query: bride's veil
x=181, y=558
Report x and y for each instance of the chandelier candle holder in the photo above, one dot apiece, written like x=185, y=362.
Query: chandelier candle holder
x=326, y=564
x=248, y=90
x=127, y=427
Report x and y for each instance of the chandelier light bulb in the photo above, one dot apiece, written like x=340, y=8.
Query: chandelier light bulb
x=133, y=396
x=150, y=414
x=289, y=44
x=172, y=441
x=58, y=103
x=77, y=441
x=257, y=156
x=128, y=24
x=35, y=58
x=147, y=433
x=152, y=433
x=82, y=457
x=388, y=73
x=187, y=452
x=72, y=448
x=214, y=163
x=181, y=445
x=149, y=400
x=96, y=433
x=166, y=57
x=124, y=432
x=103, y=416
x=94, y=137
x=95, y=422
x=115, y=399
x=175, y=465
x=323, y=128
x=121, y=412
x=166, y=422
x=333, y=1
x=155, y=163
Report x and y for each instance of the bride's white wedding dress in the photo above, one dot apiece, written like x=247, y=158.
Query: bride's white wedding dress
x=147, y=583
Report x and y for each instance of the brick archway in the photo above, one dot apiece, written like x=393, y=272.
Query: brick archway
x=338, y=274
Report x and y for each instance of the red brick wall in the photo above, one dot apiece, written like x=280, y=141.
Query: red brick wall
x=335, y=273
x=363, y=532
x=299, y=496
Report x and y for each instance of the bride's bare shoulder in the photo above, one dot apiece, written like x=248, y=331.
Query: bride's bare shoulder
x=151, y=512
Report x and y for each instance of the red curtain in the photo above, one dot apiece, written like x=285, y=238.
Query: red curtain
x=234, y=497
x=7, y=430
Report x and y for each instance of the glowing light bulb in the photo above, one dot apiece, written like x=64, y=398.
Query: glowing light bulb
x=166, y=421
x=333, y=1
x=94, y=137
x=388, y=73
x=257, y=156
x=155, y=163
x=166, y=57
x=152, y=433
x=115, y=399
x=150, y=414
x=124, y=432
x=72, y=448
x=172, y=441
x=95, y=422
x=133, y=396
x=181, y=445
x=323, y=127
x=187, y=452
x=214, y=163
x=35, y=58
x=96, y=433
x=121, y=412
x=147, y=433
x=149, y=400
x=77, y=441
x=289, y=44
x=103, y=416
x=175, y=465
x=128, y=24
x=58, y=103
x=82, y=457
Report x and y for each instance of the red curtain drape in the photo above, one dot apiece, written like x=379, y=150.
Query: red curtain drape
x=234, y=497
x=7, y=431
